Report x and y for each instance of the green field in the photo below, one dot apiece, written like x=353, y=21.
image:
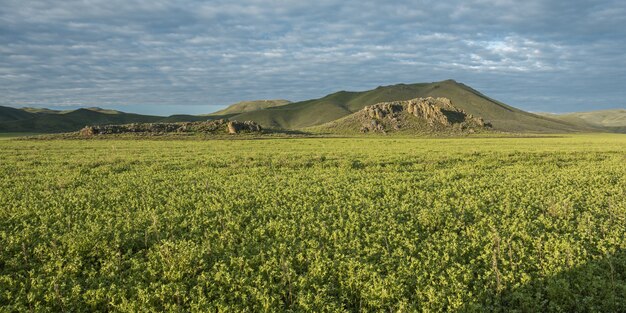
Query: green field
x=313, y=224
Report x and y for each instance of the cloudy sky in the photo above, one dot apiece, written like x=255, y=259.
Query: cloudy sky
x=163, y=57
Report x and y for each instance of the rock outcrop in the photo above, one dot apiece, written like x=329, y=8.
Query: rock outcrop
x=436, y=112
x=235, y=127
x=210, y=126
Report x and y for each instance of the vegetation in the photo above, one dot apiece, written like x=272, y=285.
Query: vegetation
x=334, y=224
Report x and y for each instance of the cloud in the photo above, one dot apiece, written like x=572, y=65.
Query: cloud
x=150, y=55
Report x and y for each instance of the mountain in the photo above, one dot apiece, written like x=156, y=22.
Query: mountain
x=8, y=114
x=612, y=120
x=248, y=106
x=308, y=113
x=187, y=118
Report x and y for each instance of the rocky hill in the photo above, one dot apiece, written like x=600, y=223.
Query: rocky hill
x=415, y=115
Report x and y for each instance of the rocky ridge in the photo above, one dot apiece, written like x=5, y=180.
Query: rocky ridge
x=210, y=126
x=436, y=112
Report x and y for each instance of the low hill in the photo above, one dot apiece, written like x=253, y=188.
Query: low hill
x=337, y=105
x=612, y=120
x=187, y=118
x=416, y=116
x=248, y=106
x=104, y=111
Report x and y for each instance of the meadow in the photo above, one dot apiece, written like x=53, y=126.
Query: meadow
x=314, y=224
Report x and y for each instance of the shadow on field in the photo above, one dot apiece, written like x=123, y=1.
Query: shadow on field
x=597, y=286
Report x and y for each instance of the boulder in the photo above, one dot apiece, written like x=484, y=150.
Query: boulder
x=235, y=127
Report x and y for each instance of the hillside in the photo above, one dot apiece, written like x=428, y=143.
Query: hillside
x=248, y=106
x=337, y=105
x=612, y=120
x=12, y=114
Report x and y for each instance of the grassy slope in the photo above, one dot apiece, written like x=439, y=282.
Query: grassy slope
x=340, y=104
x=13, y=114
x=248, y=106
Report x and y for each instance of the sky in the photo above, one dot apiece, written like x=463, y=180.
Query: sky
x=165, y=57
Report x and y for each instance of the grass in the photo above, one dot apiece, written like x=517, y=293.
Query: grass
x=15, y=135
x=314, y=224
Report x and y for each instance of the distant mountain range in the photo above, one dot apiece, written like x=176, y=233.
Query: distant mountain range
x=612, y=120
x=249, y=106
x=306, y=114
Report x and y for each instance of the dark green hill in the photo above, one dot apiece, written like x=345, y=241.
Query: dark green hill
x=69, y=121
x=41, y=120
x=337, y=105
x=13, y=114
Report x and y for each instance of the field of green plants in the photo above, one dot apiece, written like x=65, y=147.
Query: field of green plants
x=314, y=225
